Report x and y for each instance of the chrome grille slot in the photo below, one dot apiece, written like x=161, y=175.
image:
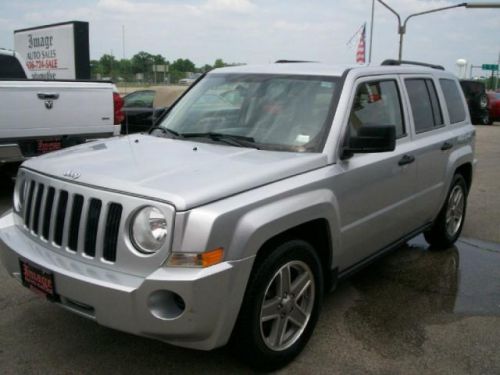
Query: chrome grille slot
x=47, y=216
x=60, y=216
x=37, y=209
x=112, y=229
x=93, y=215
x=29, y=204
x=74, y=226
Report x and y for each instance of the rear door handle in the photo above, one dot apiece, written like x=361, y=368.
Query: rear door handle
x=45, y=96
x=446, y=146
x=406, y=159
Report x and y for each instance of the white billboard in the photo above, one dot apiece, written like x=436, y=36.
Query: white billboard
x=57, y=51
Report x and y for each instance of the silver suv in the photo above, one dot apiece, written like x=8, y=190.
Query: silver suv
x=260, y=189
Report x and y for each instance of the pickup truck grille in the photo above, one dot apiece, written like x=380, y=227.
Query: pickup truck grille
x=72, y=221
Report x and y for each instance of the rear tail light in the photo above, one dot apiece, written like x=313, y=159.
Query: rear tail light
x=118, y=108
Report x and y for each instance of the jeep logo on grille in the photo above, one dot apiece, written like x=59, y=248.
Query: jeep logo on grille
x=71, y=174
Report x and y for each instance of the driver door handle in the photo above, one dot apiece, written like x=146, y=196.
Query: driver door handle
x=446, y=146
x=406, y=159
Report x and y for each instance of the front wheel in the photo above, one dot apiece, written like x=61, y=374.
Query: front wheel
x=448, y=225
x=281, y=306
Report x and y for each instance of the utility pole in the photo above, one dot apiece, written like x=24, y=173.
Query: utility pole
x=123, y=41
x=371, y=33
x=498, y=72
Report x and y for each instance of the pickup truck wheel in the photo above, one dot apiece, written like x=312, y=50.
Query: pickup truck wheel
x=448, y=225
x=281, y=306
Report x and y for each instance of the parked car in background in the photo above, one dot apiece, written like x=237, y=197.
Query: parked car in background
x=39, y=116
x=477, y=101
x=494, y=106
x=144, y=107
x=186, y=81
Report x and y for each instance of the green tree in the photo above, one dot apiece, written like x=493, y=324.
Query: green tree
x=183, y=65
x=159, y=60
x=108, y=65
x=95, y=68
x=125, y=69
x=205, y=68
x=219, y=63
x=142, y=62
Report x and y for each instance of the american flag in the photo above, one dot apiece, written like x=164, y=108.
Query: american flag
x=361, y=52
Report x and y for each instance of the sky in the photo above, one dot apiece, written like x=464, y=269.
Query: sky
x=262, y=31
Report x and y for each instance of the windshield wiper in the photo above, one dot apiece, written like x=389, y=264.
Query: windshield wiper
x=234, y=140
x=165, y=131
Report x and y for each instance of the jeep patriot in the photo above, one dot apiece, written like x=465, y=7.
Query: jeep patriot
x=259, y=189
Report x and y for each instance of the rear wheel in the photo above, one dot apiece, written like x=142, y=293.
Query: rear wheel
x=485, y=119
x=281, y=306
x=448, y=225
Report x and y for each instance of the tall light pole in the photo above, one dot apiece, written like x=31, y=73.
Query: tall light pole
x=371, y=32
x=402, y=25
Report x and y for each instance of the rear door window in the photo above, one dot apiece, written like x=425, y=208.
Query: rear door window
x=424, y=104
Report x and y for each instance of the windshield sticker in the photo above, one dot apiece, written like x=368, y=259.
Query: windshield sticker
x=302, y=138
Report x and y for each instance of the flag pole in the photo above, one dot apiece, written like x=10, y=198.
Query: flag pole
x=371, y=33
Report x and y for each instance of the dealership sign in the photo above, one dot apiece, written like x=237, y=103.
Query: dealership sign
x=57, y=51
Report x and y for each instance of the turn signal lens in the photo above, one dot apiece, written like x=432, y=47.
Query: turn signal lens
x=199, y=260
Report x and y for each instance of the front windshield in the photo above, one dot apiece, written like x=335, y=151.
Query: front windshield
x=277, y=112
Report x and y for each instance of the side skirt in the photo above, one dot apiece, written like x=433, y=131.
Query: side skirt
x=337, y=275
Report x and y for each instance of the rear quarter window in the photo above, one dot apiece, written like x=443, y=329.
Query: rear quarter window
x=453, y=100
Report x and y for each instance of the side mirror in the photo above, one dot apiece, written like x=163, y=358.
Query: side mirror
x=371, y=138
x=159, y=114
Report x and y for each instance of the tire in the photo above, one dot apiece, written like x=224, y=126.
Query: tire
x=448, y=225
x=255, y=338
x=485, y=119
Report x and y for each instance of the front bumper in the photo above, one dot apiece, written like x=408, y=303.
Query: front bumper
x=212, y=296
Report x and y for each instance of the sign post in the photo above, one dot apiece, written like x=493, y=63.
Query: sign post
x=56, y=51
x=493, y=68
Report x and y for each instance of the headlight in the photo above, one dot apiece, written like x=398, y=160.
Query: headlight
x=149, y=230
x=20, y=194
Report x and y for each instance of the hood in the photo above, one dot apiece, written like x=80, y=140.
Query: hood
x=184, y=173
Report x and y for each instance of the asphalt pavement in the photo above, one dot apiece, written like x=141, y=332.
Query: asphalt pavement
x=414, y=311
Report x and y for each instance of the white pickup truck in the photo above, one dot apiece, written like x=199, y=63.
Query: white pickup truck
x=41, y=116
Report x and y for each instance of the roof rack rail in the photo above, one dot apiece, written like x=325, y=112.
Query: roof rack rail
x=406, y=62
x=292, y=61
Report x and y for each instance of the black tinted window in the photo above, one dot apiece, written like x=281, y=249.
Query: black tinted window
x=10, y=67
x=377, y=103
x=424, y=104
x=453, y=100
x=139, y=99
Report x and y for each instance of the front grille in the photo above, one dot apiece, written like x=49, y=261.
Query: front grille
x=72, y=221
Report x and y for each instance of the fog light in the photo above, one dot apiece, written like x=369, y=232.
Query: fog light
x=166, y=305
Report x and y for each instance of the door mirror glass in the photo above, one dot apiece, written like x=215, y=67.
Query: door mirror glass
x=371, y=138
